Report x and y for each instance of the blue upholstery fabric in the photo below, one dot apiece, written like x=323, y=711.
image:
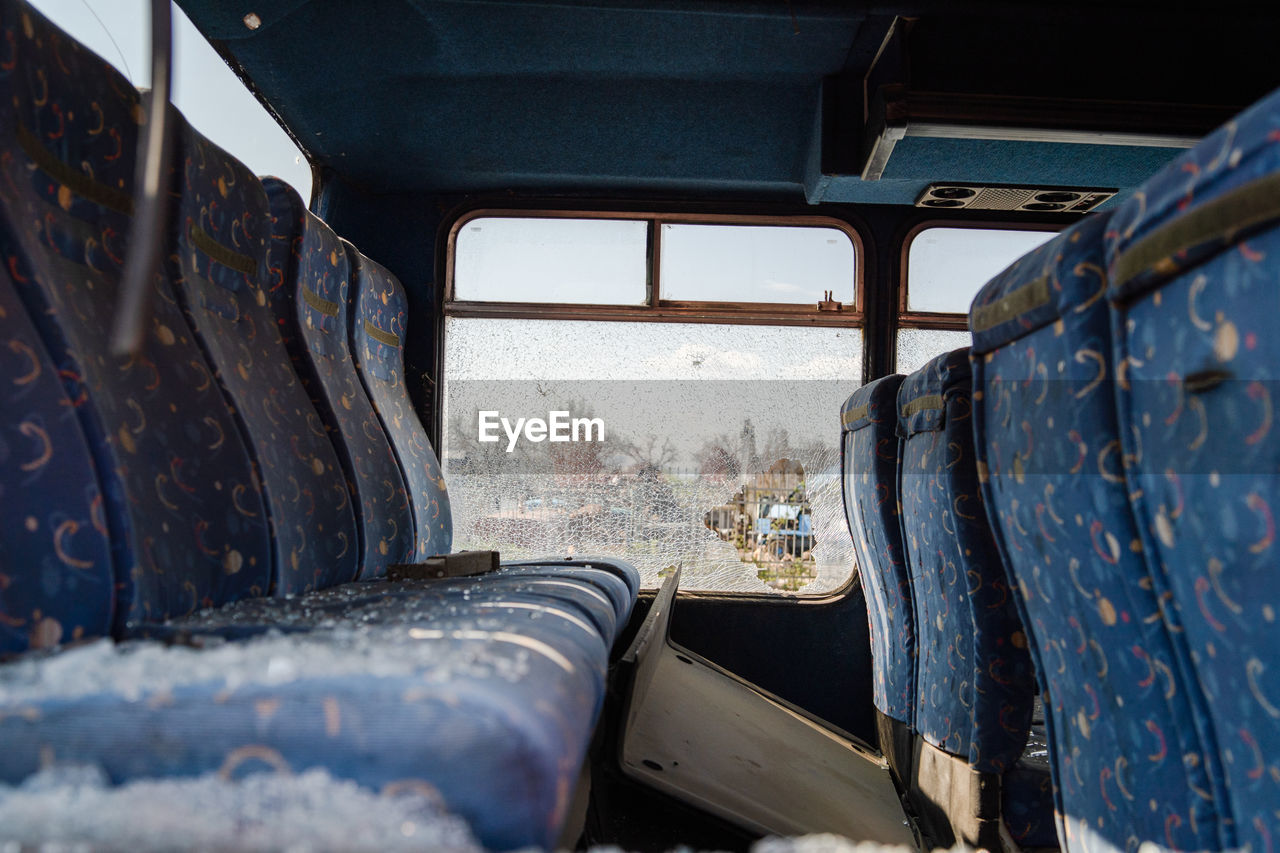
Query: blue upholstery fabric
x=871, y=455
x=491, y=708
x=379, y=316
x=186, y=523
x=1027, y=805
x=973, y=677
x=591, y=587
x=1196, y=338
x=223, y=228
x=485, y=690
x=55, y=561
x=438, y=599
x=601, y=579
x=1120, y=714
x=309, y=286
x=625, y=571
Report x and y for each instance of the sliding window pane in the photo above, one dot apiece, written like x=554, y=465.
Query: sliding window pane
x=946, y=267
x=573, y=261
x=752, y=263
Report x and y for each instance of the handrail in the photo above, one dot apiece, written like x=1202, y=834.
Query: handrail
x=149, y=228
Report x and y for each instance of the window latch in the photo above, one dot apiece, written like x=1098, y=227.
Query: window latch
x=829, y=304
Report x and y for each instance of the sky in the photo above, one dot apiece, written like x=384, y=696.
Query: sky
x=205, y=89
x=946, y=267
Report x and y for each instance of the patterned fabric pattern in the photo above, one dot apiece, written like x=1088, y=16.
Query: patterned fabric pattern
x=871, y=455
x=1027, y=806
x=1120, y=714
x=1197, y=341
x=598, y=580
x=55, y=560
x=180, y=502
x=490, y=707
x=309, y=282
x=379, y=316
x=406, y=602
x=223, y=228
x=973, y=677
x=624, y=571
x=590, y=588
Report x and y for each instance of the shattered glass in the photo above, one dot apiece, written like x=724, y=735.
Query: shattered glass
x=137, y=670
x=75, y=807
x=917, y=346
x=688, y=415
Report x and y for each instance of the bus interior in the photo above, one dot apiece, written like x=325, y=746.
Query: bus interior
x=661, y=424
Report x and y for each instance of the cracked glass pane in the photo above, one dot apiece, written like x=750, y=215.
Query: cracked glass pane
x=917, y=346
x=770, y=523
x=619, y=438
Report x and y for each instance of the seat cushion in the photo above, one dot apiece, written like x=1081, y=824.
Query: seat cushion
x=1026, y=805
x=1193, y=258
x=180, y=498
x=871, y=455
x=308, y=294
x=974, y=680
x=56, y=581
x=1048, y=440
x=492, y=709
x=403, y=602
x=219, y=270
x=379, y=313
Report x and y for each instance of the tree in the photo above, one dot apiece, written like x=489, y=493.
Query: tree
x=647, y=453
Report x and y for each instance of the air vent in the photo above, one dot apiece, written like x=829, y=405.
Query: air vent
x=1035, y=199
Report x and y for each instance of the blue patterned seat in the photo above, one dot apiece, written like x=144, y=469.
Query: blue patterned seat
x=355, y=602
x=1193, y=258
x=594, y=588
x=611, y=577
x=974, y=683
x=378, y=319
x=56, y=582
x=180, y=500
x=1120, y=712
x=489, y=708
x=222, y=231
x=870, y=456
x=308, y=290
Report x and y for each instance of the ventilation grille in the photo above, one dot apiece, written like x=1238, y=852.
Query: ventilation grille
x=1035, y=199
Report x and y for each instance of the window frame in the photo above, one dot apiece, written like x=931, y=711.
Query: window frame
x=658, y=309
x=907, y=319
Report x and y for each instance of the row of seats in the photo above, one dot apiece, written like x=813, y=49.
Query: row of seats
x=1122, y=437
x=227, y=497
x=954, y=685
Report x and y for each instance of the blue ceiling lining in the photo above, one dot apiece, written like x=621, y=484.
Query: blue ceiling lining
x=398, y=95
x=978, y=160
x=623, y=96
x=647, y=130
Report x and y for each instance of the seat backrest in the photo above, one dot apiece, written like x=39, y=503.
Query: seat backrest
x=870, y=456
x=379, y=315
x=222, y=230
x=55, y=560
x=974, y=681
x=310, y=287
x=1194, y=258
x=180, y=500
x=1119, y=712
